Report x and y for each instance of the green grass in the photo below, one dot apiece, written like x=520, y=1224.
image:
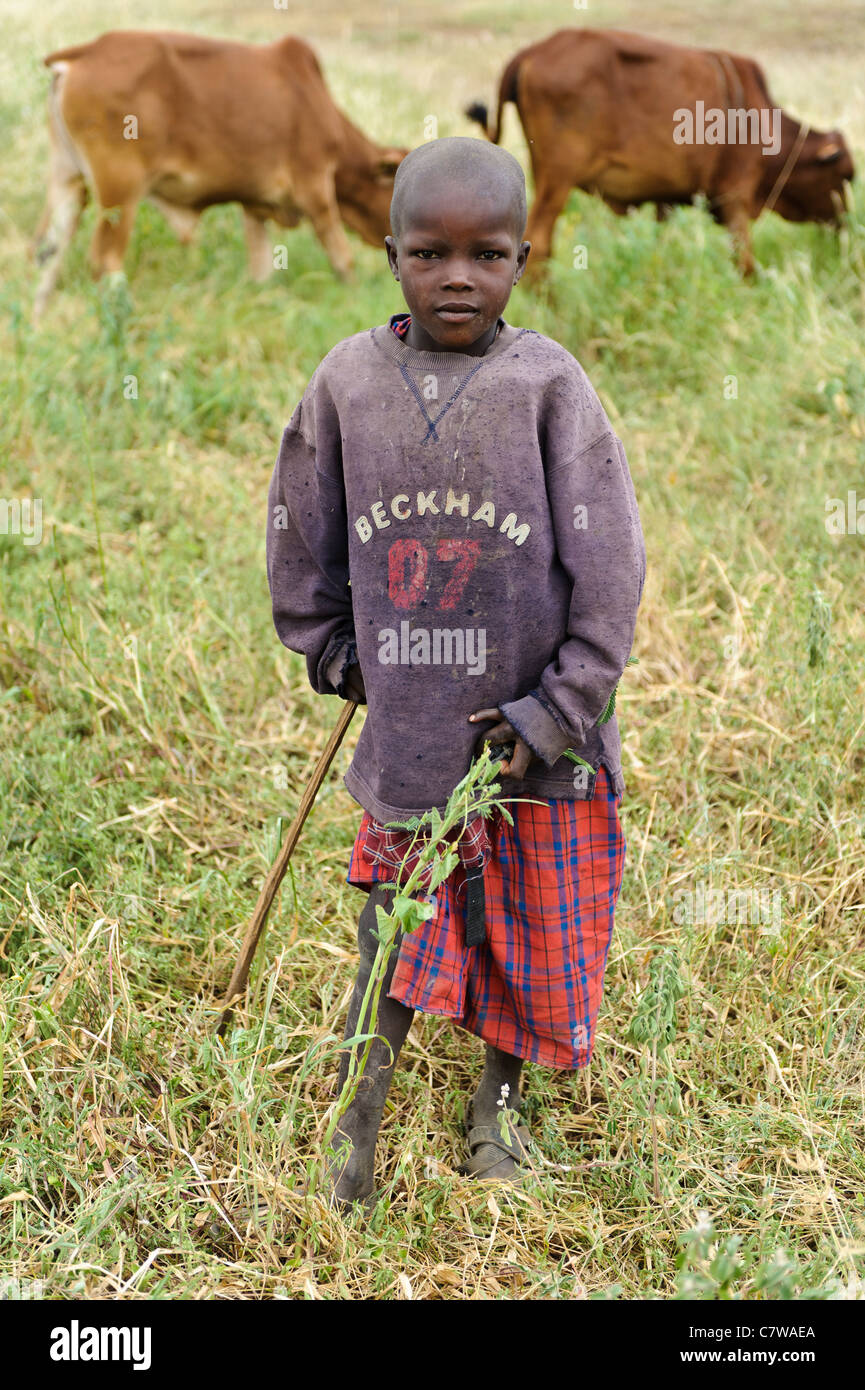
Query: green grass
x=153, y=732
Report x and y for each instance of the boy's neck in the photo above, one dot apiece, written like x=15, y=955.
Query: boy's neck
x=418, y=338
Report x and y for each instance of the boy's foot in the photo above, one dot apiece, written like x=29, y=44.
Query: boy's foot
x=491, y=1157
x=327, y=1191
x=350, y=1179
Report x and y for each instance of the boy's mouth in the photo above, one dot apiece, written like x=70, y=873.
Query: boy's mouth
x=456, y=312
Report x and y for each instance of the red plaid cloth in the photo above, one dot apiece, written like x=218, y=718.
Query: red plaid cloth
x=533, y=988
x=389, y=848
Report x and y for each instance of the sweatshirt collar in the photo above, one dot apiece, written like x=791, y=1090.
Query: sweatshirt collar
x=417, y=360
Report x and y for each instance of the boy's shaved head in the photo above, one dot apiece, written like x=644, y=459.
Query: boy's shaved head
x=456, y=246
x=476, y=164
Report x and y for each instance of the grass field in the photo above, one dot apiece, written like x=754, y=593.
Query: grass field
x=153, y=732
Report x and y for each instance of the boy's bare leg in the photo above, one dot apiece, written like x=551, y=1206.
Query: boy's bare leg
x=352, y=1179
x=500, y=1069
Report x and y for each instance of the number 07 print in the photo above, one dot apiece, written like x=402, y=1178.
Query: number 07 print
x=409, y=565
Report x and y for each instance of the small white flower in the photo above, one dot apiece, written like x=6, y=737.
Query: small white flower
x=506, y=1090
x=704, y=1223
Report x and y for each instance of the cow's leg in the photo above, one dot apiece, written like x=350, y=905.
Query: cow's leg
x=63, y=208
x=733, y=215
x=258, y=248
x=119, y=204
x=182, y=221
x=551, y=194
x=320, y=206
x=351, y=1177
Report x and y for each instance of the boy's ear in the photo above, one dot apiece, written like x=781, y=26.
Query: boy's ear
x=392, y=256
x=522, y=257
x=387, y=164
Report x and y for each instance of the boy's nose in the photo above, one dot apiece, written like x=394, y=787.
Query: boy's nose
x=457, y=276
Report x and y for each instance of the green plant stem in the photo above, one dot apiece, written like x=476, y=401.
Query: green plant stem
x=439, y=853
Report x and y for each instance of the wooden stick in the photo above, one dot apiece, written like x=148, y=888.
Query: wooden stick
x=255, y=929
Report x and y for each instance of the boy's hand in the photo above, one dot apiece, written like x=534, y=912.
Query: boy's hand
x=353, y=685
x=503, y=732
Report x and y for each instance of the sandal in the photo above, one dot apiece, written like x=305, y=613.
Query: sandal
x=515, y=1147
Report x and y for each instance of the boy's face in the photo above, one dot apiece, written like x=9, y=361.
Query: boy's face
x=458, y=256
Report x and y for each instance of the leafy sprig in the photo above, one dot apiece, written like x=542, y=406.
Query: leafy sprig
x=476, y=795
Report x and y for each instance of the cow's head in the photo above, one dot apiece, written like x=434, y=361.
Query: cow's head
x=814, y=190
x=364, y=188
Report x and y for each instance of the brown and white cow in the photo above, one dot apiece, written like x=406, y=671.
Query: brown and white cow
x=602, y=111
x=188, y=122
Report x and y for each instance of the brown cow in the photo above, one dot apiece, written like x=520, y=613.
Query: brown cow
x=188, y=122
x=621, y=115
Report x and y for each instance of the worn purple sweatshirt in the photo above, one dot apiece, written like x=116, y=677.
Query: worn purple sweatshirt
x=466, y=529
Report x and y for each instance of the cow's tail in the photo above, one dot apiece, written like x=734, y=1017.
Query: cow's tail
x=59, y=62
x=507, y=92
x=65, y=149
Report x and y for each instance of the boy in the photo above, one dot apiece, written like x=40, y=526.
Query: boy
x=462, y=477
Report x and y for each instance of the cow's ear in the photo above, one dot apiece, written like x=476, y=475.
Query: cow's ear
x=828, y=153
x=388, y=162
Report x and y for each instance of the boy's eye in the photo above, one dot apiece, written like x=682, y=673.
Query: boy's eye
x=425, y=253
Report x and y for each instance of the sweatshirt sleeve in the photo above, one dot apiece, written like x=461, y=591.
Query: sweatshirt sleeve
x=600, y=545
x=307, y=543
